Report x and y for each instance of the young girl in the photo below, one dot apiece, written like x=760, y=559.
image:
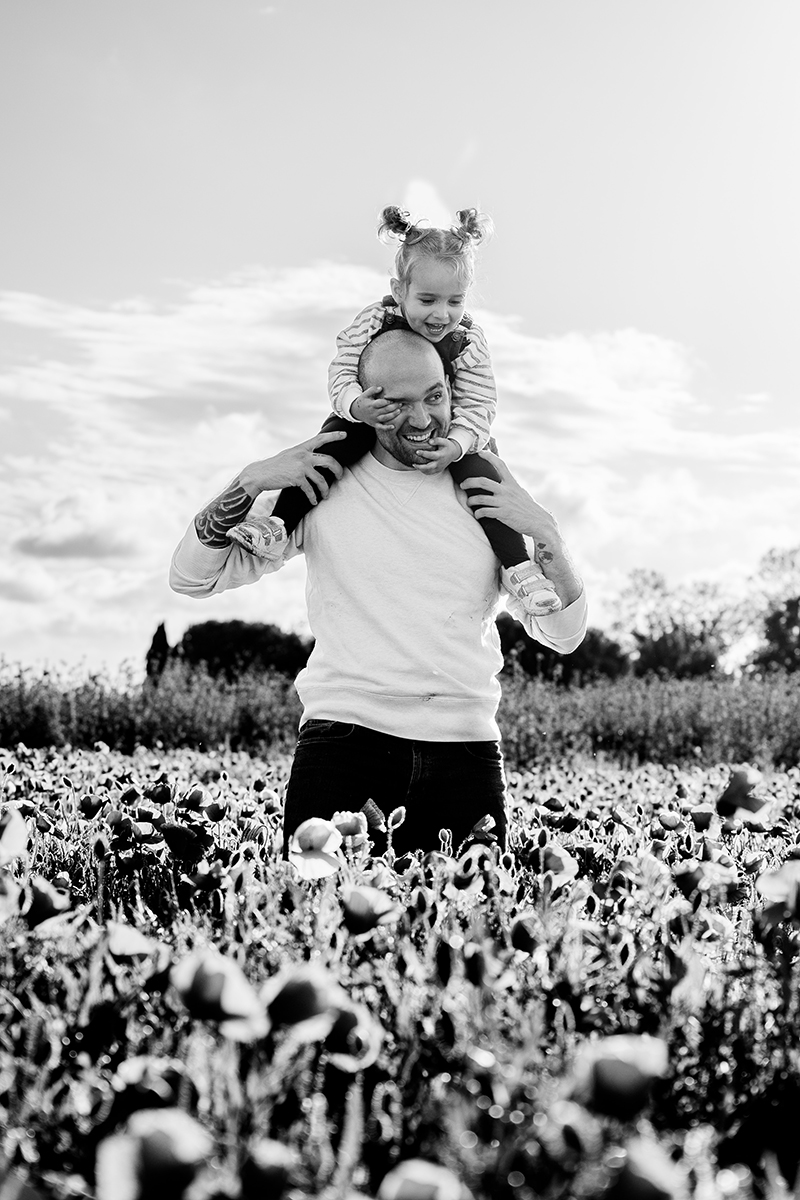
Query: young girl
x=434, y=269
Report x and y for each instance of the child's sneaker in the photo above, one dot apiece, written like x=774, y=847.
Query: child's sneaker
x=265, y=537
x=536, y=594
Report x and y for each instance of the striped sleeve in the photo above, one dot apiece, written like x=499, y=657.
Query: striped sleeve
x=474, y=394
x=343, y=385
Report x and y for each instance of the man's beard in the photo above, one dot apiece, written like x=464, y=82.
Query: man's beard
x=402, y=450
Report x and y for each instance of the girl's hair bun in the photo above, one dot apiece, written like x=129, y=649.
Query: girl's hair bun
x=473, y=225
x=394, y=222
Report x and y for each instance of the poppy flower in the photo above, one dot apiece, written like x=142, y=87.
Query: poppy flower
x=355, y=1038
x=418, y=1179
x=157, y=1152
x=125, y=941
x=614, y=1075
x=353, y=828
x=554, y=859
x=304, y=1000
x=695, y=875
x=214, y=988
x=13, y=835
x=312, y=848
x=739, y=792
x=367, y=907
x=45, y=901
x=526, y=931
x=782, y=889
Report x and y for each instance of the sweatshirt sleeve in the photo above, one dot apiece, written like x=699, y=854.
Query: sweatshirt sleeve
x=200, y=571
x=562, y=631
x=474, y=394
x=343, y=385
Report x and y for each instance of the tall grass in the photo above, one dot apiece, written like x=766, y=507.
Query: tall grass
x=629, y=720
x=185, y=707
x=654, y=720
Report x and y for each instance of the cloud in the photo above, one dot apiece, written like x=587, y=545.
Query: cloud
x=135, y=415
x=89, y=543
x=31, y=586
x=425, y=204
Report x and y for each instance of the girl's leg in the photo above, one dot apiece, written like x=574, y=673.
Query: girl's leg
x=265, y=532
x=507, y=544
x=524, y=580
x=292, y=503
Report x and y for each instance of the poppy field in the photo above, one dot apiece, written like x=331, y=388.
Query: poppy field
x=607, y=1009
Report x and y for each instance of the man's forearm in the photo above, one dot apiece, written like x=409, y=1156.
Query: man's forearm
x=556, y=564
x=225, y=510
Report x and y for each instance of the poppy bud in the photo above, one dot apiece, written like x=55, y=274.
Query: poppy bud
x=351, y=825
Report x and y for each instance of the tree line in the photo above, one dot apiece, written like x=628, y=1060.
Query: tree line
x=685, y=632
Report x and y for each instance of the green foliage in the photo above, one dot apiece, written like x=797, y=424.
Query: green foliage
x=781, y=649
x=677, y=653
x=232, y=648
x=597, y=657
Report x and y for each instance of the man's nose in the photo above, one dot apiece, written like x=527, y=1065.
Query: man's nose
x=419, y=416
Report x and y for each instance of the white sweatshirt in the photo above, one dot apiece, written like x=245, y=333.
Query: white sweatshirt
x=402, y=593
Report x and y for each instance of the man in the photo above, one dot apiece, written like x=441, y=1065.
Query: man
x=400, y=692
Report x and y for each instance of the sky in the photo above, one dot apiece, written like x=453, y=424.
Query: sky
x=190, y=193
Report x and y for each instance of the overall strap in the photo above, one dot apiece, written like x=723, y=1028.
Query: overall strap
x=448, y=348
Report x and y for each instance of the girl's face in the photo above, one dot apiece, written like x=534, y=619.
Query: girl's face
x=433, y=300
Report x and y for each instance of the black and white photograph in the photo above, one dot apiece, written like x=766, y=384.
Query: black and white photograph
x=399, y=600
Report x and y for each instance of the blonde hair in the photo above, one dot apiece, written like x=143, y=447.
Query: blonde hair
x=455, y=246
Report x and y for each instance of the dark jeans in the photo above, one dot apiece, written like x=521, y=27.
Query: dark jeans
x=293, y=504
x=442, y=785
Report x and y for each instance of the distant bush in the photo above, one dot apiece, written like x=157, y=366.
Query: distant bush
x=233, y=648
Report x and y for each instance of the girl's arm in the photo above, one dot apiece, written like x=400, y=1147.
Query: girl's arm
x=474, y=395
x=474, y=404
x=343, y=385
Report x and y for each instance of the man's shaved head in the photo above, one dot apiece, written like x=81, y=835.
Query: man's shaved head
x=390, y=349
x=410, y=376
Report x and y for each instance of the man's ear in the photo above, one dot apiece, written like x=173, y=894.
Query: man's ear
x=396, y=288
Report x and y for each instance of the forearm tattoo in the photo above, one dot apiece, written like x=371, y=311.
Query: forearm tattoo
x=225, y=511
x=543, y=555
